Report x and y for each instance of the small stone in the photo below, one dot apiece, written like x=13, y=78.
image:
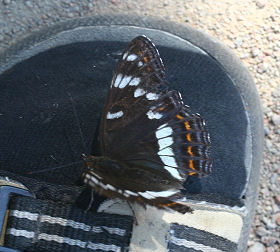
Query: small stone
x=255, y=52
x=273, y=178
x=261, y=68
x=261, y=3
x=275, y=119
x=270, y=249
x=270, y=225
x=238, y=42
x=277, y=219
x=276, y=93
x=266, y=131
x=268, y=143
x=277, y=199
x=29, y=4
x=74, y=9
x=270, y=241
x=277, y=131
x=6, y=2
x=261, y=231
x=166, y=3
x=257, y=247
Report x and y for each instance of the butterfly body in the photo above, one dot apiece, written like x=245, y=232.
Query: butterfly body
x=149, y=140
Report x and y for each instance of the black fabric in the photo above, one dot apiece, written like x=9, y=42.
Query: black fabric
x=203, y=239
x=36, y=225
x=53, y=101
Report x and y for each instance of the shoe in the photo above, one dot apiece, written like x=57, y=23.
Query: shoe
x=55, y=86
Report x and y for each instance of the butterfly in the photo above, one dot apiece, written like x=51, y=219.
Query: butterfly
x=149, y=140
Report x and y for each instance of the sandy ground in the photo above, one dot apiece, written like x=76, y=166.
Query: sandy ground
x=250, y=28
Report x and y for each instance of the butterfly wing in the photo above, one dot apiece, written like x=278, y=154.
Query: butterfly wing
x=138, y=80
x=145, y=124
x=150, y=141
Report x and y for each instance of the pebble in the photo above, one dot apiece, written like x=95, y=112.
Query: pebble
x=255, y=52
x=277, y=199
x=29, y=4
x=277, y=219
x=268, y=144
x=261, y=3
x=276, y=93
x=238, y=42
x=273, y=178
x=266, y=131
x=275, y=119
x=270, y=249
x=257, y=247
x=6, y=2
x=261, y=231
x=270, y=241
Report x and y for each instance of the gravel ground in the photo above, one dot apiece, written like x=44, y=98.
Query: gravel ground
x=250, y=28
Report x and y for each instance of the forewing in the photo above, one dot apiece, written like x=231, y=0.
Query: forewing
x=138, y=80
x=147, y=126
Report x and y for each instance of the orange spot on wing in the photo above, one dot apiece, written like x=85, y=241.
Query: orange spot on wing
x=191, y=165
x=149, y=69
x=179, y=117
x=187, y=125
x=145, y=59
x=190, y=151
x=189, y=137
x=169, y=204
x=192, y=173
x=161, y=108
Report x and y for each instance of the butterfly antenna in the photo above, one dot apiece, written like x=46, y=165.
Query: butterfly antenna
x=77, y=120
x=54, y=168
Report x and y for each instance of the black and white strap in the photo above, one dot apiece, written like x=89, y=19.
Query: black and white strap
x=36, y=225
x=188, y=239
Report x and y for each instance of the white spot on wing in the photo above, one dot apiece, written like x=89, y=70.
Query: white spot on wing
x=124, y=56
x=94, y=180
x=140, y=63
x=152, y=195
x=138, y=92
x=114, y=115
x=166, y=152
x=118, y=80
x=163, y=193
x=146, y=195
x=162, y=126
x=96, y=175
x=164, y=142
x=152, y=115
x=169, y=161
x=125, y=81
x=173, y=172
x=131, y=57
x=134, y=82
x=112, y=188
x=163, y=132
x=152, y=96
x=131, y=193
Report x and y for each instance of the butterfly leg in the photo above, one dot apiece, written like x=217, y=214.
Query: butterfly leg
x=91, y=200
x=133, y=212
